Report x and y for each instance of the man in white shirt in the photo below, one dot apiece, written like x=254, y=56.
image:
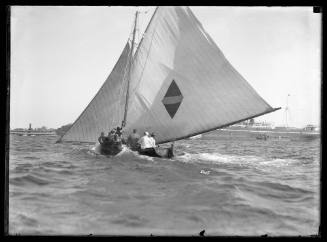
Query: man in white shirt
x=147, y=147
x=145, y=141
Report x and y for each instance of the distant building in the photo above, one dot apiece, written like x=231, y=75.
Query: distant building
x=33, y=132
x=18, y=129
x=251, y=124
x=311, y=127
x=263, y=125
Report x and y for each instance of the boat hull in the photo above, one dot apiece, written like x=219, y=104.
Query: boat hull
x=157, y=152
x=115, y=147
x=110, y=148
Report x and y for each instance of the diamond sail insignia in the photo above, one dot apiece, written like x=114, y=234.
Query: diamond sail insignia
x=180, y=84
x=172, y=99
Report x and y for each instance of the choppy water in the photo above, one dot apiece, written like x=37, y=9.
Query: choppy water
x=227, y=183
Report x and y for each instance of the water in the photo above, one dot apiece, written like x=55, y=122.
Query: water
x=228, y=183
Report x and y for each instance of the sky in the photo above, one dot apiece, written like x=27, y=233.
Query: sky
x=61, y=56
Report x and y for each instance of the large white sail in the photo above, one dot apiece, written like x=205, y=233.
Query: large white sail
x=181, y=84
x=106, y=110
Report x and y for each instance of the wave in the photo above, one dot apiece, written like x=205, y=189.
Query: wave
x=287, y=190
x=130, y=220
x=257, y=203
x=57, y=165
x=31, y=158
x=274, y=201
x=27, y=220
x=28, y=179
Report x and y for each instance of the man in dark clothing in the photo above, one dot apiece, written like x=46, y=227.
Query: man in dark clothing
x=110, y=138
x=118, y=134
x=101, y=138
x=132, y=140
x=119, y=131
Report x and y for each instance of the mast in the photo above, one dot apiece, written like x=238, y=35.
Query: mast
x=145, y=31
x=129, y=71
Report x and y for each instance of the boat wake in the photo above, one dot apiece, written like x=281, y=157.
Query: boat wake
x=96, y=150
x=236, y=160
x=125, y=150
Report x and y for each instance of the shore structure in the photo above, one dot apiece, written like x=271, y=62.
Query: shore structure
x=33, y=132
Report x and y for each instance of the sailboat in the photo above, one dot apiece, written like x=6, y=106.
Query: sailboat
x=177, y=83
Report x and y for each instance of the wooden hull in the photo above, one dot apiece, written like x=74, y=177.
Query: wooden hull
x=111, y=148
x=116, y=147
x=165, y=152
x=156, y=152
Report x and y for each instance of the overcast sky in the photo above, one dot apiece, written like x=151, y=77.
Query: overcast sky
x=60, y=57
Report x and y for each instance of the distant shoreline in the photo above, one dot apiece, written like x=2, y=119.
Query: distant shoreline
x=272, y=131
x=33, y=133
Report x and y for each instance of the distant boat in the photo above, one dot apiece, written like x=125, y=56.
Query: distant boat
x=177, y=84
x=262, y=137
x=310, y=132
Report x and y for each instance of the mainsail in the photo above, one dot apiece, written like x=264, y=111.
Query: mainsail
x=180, y=84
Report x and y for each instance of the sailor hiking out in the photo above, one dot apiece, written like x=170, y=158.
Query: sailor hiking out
x=147, y=145
x=145, y=141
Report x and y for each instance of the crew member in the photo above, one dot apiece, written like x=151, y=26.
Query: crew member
x=145, y=141
x=146, y=146
x=152, y=139
x=101, y=138
x=117, y=135
x=119, y=131
x=133, y=139
x=110, y=137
